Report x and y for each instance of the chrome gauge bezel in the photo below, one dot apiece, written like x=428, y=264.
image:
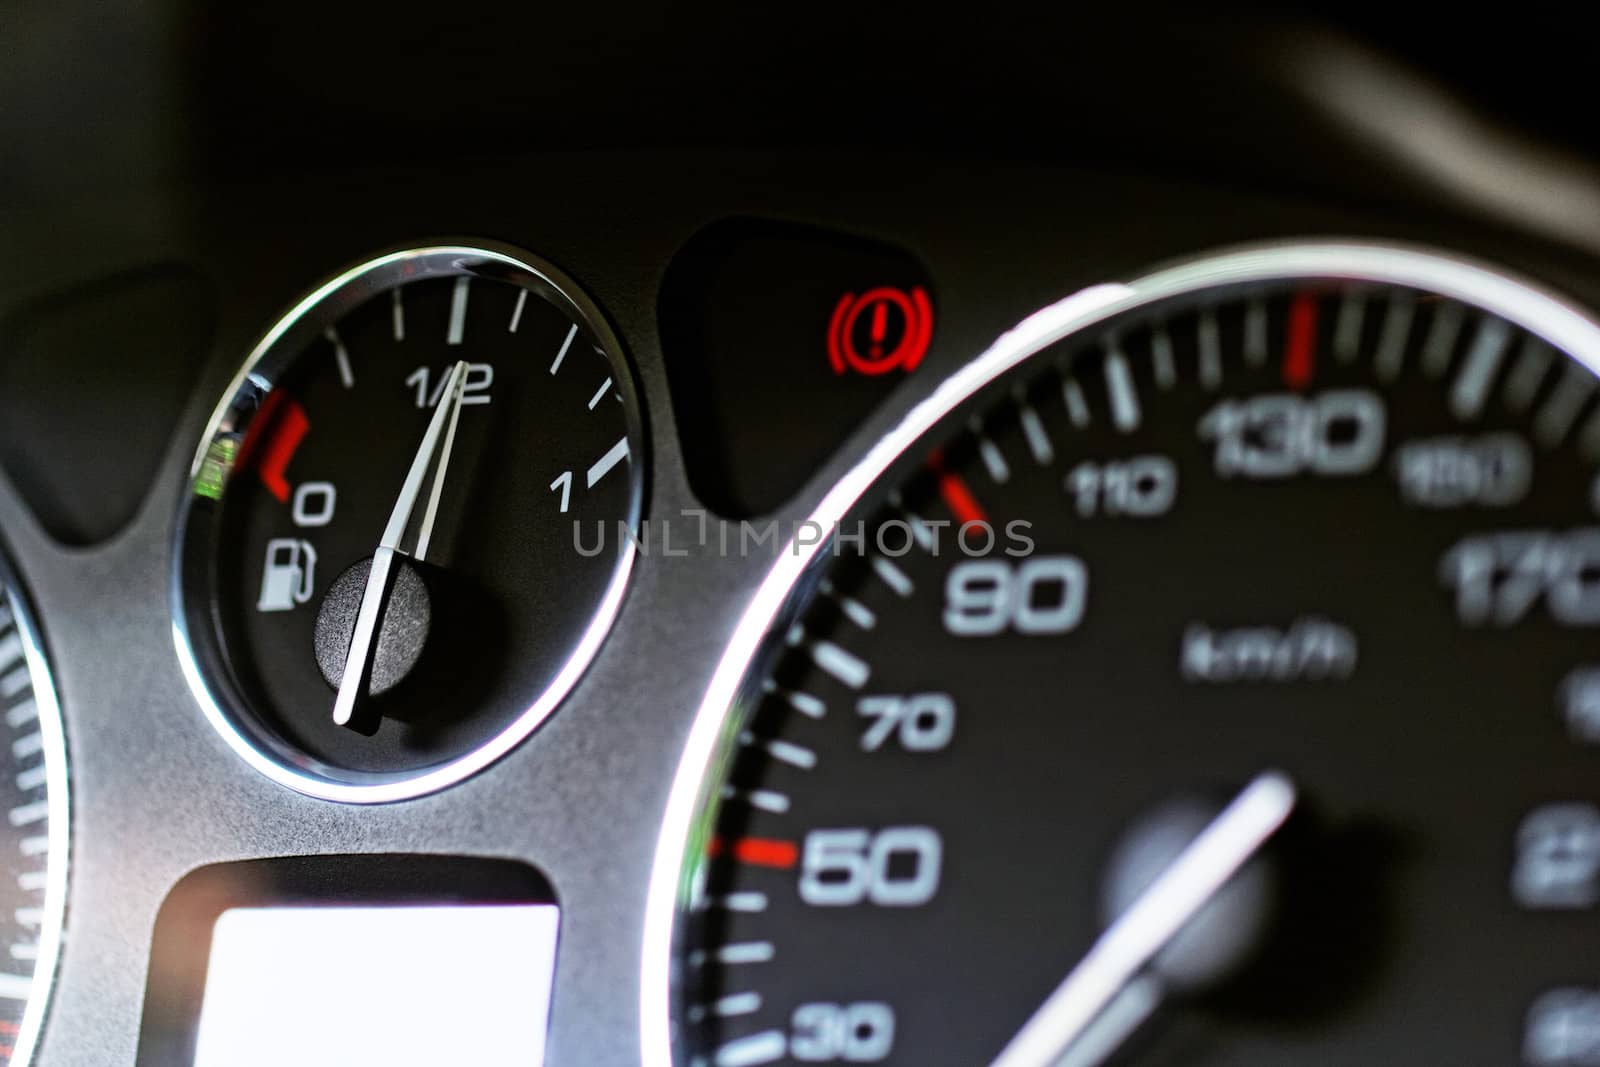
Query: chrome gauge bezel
x=58, y=830
x=734, y=688
x=195, y=538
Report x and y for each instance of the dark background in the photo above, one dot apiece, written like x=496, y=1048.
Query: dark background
x=132, y=128
x=157, y=90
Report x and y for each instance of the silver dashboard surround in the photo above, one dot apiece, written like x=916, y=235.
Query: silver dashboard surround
x=194, y=537
x=729, y=698
x=58, y=847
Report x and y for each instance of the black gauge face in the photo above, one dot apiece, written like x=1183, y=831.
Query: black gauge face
x=33, y=835
x=1340, y=536
x=389, y=577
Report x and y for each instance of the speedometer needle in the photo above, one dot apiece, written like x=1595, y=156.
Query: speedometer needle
x=403, y=536
x=1157, y=916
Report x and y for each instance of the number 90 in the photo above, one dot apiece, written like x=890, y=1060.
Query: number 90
x=1043, y=595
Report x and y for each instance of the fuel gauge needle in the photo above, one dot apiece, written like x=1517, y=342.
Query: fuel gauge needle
x=404, y=536
x=1157, y=915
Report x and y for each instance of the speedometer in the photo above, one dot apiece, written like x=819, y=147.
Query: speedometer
x=1206, y=674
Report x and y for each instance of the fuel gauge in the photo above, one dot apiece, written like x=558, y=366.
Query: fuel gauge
x=379, y=587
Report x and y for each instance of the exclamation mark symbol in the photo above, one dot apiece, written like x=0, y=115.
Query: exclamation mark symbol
x=880, y=327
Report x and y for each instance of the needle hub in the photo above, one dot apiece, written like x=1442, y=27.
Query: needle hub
x=1227, y=931
x=404, y=622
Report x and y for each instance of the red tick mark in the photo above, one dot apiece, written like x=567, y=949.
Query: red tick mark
x=759, y=852
x=957, y=497
x=1300, y=342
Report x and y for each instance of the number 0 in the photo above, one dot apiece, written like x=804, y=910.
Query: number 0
x=314, y=504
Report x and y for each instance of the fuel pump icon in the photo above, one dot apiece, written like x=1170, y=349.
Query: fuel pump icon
x=289, y=575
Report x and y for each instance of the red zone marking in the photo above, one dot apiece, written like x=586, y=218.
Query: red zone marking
x=957, y=497
x=1300, y=342
x=278, y=429
x=758, y=852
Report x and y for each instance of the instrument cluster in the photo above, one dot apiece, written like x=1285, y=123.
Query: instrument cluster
x=591, y=611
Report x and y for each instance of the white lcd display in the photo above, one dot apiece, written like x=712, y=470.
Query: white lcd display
x=385, y=986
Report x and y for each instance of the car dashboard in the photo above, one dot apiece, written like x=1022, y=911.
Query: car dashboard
x=553, y=537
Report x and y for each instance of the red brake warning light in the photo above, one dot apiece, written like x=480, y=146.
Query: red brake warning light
x=880, y=330
x=760, y=319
